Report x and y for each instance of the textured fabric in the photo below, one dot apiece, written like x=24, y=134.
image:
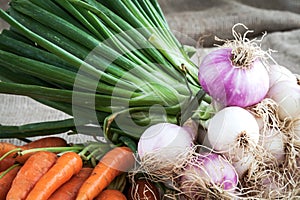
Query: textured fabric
x=197, y=22
x=194, y=22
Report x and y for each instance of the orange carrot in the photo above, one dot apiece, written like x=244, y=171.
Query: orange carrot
x=66, y=166
x=33, y=169
x=6, y=181
x=51, y=141
x=6, y=163
x=111, y=195
x=6, y=147
x=40, y=143
x=114, y=162
x=69, y=190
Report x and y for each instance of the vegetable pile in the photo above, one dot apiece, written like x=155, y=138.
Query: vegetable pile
x=249, y=147
x=226, y=129
x=54, y=171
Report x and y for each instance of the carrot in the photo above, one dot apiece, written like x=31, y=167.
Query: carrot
x=66, y=166
x=33, y=169
x=46, y=142
x=111, y=195
x=6, y=181
x=6, y=163
x=113, y=163
x=6, y=147
x=40, y=143
x=69, y=190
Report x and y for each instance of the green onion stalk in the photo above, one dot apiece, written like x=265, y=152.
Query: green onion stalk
x=114, y=66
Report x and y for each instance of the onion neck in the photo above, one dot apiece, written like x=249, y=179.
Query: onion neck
x=243, y=140
x=244, y=50
x=242, y=57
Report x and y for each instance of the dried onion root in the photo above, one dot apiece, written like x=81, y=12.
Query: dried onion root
x=273, y=179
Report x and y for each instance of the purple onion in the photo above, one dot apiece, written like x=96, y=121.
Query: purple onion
x=233, y=85
x=213, y=169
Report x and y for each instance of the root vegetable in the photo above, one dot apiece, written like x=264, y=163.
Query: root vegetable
x=30, y=173
x=65, y=167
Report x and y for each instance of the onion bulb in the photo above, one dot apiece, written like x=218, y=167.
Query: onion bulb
x=244, y=164
x=166, y=140
x=287, y=95
x=279, y=73
x=235, y=74
x=143, y=189
x=233, y=130
x=273, y=142
x=207, y=171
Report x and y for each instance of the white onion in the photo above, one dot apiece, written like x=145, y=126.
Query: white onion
x=273, y=142
x=166, y=140
x=287, y=95
x=230, y=125
x=244, y=164
x=279, y=73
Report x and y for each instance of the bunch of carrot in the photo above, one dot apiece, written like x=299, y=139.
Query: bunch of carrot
x=37, y=173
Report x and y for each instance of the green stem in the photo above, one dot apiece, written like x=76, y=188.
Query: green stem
x=52, y=149
x=10, y=152
x=8, y=170
x=35, y=129
x=54, y=48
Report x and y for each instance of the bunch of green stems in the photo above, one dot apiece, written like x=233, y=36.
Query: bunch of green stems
x=112, y=64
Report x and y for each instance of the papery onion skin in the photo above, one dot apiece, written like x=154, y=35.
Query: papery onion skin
x=143, y=189
x=244, y=164
x=213, y=169
x=168, y=138
x=273, y=142
x=287, y=95
x=232, y=85
x=279, y=73
x=227, y=127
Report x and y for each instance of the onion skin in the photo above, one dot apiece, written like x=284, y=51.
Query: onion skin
x=166, y=140
x=273, y=142
x=207, y=171
x=287, y=95
x=279, y=73
x=143, y=190
x=231, y=85
x=230, y=125
x=244, y=164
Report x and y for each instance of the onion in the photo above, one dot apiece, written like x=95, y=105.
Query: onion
x=287, y=95
x=207, y=171
x=233, y=130
x=273, y=142
x=192, y=127
x=232, y=85
x=235, y=74
x=244, y=164
x=279, y=73
x=143, y=189
x=166, y=140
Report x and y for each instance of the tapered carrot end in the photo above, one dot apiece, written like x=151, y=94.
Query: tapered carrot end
x=120, y=158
